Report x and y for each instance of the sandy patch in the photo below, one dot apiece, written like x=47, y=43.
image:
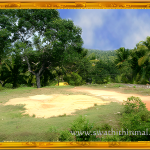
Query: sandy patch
x=112, y=95
x=54, y=105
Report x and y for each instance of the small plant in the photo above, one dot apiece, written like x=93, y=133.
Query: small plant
x=118, y=85
x=23, y=85
x=1, y=88
x=64, y=115
x=8, y=85
x=134, y=104
x=106, y=127
x=33, y=115
x=95, y=104
x=82, y=129
x=53, y=134
x=65, y=136
x=134, y=86
x=74, y=79
x=145, y=115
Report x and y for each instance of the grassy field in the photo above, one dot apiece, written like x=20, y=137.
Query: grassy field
x=18, y=127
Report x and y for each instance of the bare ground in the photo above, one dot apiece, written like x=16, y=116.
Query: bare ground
x=59, y=104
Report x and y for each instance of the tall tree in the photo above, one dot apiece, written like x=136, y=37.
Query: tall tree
x=23, y=24
x=4, y=43
x=62, y=43
x=122, y=54
x=145, y=47
x=144, y=60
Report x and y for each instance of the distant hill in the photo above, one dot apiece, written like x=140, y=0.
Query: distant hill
x=101, y=55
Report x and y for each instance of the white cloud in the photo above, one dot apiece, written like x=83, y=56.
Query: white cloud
x=139, y=29
x=89, y=20
x=123, y=27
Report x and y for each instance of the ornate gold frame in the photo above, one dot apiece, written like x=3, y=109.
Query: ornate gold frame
x=59, y=4
x=84, y=4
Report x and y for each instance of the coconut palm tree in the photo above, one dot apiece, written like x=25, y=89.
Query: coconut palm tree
x=122, y=55
x=144, y=60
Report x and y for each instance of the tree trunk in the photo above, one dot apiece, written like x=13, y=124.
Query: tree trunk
x=58, y=81
x=38, y=80
x=1, y=82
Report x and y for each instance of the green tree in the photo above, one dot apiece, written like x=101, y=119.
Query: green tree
x=58, y=72
x=23, y=24
x=144, y=59
x=12, y=71
x=105, y=71
x=4, y=43
x=123, y=64
x=61, y=43
x=122, y=55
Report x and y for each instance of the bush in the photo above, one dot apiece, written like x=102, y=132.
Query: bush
x=52, y=83
x=135, y=124
x=134, y=104
x=74, y=79
x=106, y=127
x=23, y=85
x=53, y=134
x=145, y=115
x=65, y=136
x=118, y=85
x=135, y=118
x=8, y=85
x=83, y=130
x=107, y=79
x=118, y=79
x=1, y=88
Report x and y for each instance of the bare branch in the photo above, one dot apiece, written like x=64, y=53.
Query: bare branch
x=36, y=63
x=29, y=67
x=42, y=68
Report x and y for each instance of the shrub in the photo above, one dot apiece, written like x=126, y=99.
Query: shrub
x=23, y=85
x=107, y=79
x=134, y=104
x=136, y=119
x=53, y=134
x=118, y=85
x=65, y=136
x=1, y=88
x=144, y=115
x=137, y=127
x=8, y=85
x=74, y=79
x=83, y=130
x=52, y=83
x=106, y=127
x=118, y=79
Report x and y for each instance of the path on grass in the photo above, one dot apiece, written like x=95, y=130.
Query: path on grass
x=112, y=95
x=59, y=104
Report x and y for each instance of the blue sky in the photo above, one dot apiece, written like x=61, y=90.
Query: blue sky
x=110, y=29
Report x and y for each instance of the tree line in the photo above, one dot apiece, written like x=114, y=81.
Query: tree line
x=37, y=47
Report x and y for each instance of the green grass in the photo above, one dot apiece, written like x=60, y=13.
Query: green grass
x=23, y=124
x=18, y=127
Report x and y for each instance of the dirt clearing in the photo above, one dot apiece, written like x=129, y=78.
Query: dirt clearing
x=112, y=95
x=59, y=104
